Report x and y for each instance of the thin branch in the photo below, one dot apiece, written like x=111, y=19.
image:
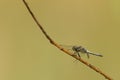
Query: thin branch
x=62, y=49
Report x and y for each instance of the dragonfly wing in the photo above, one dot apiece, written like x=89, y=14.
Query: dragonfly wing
x=67, y=47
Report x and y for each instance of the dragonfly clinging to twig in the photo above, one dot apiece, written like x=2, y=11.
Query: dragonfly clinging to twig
x=79, y=49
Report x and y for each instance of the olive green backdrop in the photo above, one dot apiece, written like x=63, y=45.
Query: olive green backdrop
x=25, y=53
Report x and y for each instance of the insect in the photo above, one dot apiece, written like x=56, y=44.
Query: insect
x=79, y=49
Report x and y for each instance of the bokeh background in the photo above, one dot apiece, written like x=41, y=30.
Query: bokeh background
x=25, y=53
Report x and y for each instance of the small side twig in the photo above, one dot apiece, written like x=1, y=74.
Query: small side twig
x=62, y=49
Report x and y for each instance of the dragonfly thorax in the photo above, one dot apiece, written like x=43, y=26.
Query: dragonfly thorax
x=76, y=48
x=79, y=49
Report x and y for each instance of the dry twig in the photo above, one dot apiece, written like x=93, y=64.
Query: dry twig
x=62, y=49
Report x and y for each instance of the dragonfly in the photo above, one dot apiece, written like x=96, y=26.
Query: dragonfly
x=79, y=49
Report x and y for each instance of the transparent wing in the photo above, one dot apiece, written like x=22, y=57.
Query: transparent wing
x=69, y=47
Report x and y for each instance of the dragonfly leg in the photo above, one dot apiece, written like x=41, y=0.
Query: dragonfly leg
x=78, y=54
x=74, y=54
x=88, y=55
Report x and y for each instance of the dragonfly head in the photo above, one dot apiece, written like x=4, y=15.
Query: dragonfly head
x=76, y=48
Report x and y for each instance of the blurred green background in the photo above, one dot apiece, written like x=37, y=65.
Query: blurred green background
x=25, y=53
